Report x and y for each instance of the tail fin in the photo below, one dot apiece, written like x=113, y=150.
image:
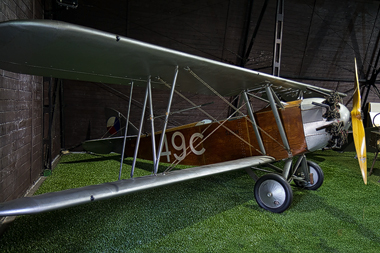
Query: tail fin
x=112, y=140
x=116, y=123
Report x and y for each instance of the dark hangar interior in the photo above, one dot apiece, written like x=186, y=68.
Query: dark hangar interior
x=319, y=40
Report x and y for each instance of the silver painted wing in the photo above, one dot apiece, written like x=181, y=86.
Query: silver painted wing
x=62, y=199
x=62, y=50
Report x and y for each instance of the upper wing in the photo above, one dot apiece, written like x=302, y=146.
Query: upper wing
x=57, y=200
x=62, y=50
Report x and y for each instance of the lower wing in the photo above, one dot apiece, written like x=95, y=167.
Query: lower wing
x=62, y=199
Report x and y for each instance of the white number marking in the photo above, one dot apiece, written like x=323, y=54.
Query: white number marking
x=182, y=146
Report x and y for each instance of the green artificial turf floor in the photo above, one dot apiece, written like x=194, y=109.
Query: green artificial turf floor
x=214, y=214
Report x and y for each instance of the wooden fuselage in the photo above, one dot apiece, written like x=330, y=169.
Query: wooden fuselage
x=212, y=143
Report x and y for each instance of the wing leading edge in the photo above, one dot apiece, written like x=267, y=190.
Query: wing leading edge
x=62, y=50
x=62, y=199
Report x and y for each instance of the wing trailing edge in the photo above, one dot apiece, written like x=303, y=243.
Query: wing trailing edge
x=72, y=197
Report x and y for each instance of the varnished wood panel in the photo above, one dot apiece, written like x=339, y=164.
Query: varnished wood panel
x=219, y=144
x=292, y=122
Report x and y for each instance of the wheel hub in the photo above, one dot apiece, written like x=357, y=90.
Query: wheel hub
x=272, y=193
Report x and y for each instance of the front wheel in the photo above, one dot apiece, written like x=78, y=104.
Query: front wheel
x=273, y=193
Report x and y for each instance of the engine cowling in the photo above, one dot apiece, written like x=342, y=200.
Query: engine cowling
x=325, y=122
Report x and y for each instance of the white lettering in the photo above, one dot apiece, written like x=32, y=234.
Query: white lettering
x=182, y=146
x=193, y=138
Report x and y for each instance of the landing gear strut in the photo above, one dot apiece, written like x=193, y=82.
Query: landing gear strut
x=316, y=177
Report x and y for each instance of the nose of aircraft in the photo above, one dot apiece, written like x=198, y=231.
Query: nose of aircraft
x=324, y=126
x=345, y=116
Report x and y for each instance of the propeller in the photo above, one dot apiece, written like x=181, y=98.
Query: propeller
x=358, y=129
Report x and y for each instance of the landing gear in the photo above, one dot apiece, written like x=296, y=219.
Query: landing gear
x=316, y=177
x=273, y=193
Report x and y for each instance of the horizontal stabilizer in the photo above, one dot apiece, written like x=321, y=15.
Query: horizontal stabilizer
x=62, y=199
x=104, y=146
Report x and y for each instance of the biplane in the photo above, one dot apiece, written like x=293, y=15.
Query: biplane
x=299, y=118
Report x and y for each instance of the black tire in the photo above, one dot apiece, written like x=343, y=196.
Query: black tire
x=273, y=193
x=318, y=177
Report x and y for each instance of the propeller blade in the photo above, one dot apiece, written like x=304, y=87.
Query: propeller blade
x=358, y=129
